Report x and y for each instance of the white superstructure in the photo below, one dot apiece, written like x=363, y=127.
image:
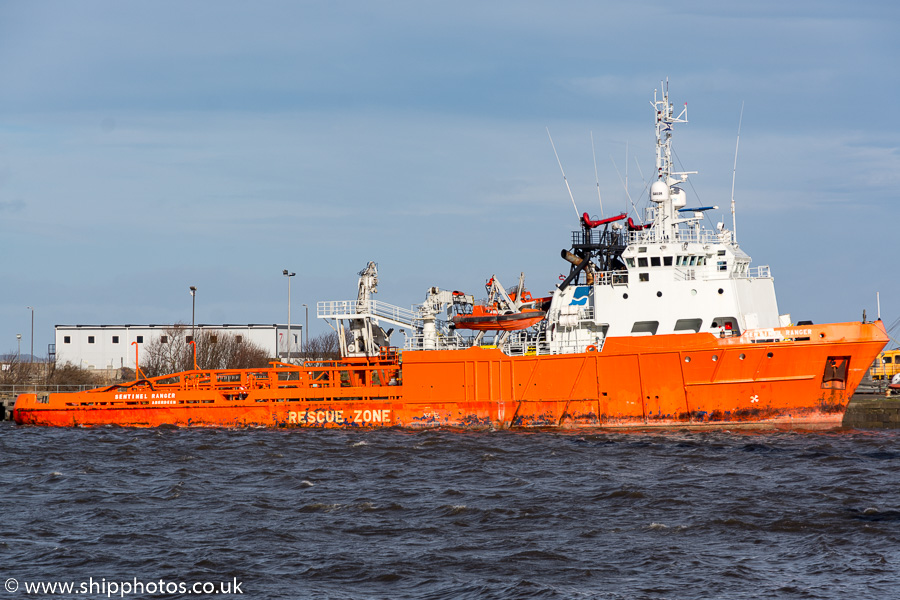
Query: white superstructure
x=670, y=275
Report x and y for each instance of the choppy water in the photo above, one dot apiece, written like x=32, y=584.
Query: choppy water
x=394, y=514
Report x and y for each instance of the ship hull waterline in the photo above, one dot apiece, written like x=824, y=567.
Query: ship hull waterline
x=668, y=382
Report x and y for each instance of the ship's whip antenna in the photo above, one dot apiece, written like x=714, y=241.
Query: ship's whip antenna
x=596, y=176
x=636, y=213
x=626, y=173
x=552, y=145
x=640, y=171
x=734, y=174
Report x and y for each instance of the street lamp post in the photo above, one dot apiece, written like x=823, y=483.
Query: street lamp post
x=289, y=275
x=19, y=347
x=306, y=330
x=31, y=308
x=193, y=307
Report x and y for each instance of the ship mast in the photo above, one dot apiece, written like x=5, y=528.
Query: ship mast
x=664, y=190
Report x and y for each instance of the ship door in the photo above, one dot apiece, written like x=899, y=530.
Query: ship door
x=835, y=375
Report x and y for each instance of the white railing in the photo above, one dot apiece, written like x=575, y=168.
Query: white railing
x=345, y=309
x=685, y=274
x=575, y=346
x=761, y=271
x=443, y=342
x=695, y=236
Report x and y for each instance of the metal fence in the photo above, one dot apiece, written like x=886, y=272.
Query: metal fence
x=15, y=389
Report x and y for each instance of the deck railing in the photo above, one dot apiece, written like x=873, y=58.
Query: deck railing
x=343, y=309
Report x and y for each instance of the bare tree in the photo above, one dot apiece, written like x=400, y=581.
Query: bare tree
x=69, y=374
x=171, y=352
x=14, y=371
x=323, y=347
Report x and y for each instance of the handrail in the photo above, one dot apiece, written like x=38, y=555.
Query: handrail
x=38, y=388
x=344, y=309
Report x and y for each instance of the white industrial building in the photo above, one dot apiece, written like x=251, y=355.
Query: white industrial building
x=110, y=346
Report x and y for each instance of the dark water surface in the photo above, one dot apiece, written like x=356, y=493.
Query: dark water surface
x=440, y=514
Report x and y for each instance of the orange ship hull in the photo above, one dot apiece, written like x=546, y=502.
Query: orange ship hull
x=804, y=379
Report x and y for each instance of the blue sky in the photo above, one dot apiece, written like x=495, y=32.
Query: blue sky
x=149, y=146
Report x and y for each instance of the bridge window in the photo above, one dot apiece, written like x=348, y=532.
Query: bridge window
x=887, y=360
x=655, y=262
x=629, y=261
x=642, y=261
x=667, y=261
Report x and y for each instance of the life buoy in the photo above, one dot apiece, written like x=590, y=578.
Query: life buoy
x=591, y=348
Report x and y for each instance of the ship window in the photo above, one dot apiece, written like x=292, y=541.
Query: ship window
x=701, y=260
x=115, y=339
x=887, y=360
x=688, y=325
x=642, y=261
x=163, y=339
x=667, y=261
x=645, y=328
x=67, y=340
x=188, y=339
x=140, y=339
x=655, y=262
x=722, y=265
x=693, y=261
x=642, y=248
x=90, y=339
x=721, y=253
x=239, y=339
x=644, y=276
x=213, y=339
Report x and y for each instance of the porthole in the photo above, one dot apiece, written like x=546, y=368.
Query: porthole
x=742, y=356
x=721, y=291
x=769, y=355
x=821, y=335
x=687, y=359
x=693, y=292
x=715, y=357
x=625, y=296
x=659, y=294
